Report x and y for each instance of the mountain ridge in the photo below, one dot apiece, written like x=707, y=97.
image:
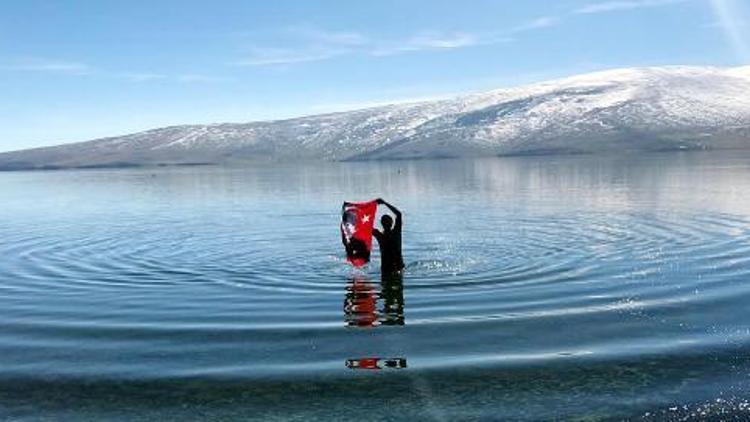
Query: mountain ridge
x=617, y=110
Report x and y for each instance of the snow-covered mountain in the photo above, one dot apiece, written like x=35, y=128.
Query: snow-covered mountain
x=642, y=109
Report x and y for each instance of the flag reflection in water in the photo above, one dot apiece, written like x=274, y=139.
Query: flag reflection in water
x=369, y=305
x=376, y=363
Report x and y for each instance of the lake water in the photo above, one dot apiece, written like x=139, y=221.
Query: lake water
x=536, y=288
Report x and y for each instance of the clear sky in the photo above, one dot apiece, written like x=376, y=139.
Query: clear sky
x=77, y=70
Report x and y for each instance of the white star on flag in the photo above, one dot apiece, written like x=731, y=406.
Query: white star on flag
x=366, y=218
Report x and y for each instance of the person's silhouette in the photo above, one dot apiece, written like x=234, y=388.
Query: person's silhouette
x=389, y=240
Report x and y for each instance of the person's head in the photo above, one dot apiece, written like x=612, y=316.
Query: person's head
x=387, y=222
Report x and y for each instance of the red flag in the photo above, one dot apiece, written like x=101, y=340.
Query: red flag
x=356, y=230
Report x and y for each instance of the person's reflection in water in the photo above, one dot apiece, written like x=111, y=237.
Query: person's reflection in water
x=392, y=292
x=361, y=302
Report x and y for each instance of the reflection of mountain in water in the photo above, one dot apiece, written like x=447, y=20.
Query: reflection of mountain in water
x=367, y=304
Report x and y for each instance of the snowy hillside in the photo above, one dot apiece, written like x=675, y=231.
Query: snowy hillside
x=643, y=109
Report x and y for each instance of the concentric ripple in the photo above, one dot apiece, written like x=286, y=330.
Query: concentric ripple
x=246, y=279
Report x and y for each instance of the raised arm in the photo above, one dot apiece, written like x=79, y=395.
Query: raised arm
x=393, y=209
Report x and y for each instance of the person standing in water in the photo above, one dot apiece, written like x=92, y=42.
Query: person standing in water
x=389, y=240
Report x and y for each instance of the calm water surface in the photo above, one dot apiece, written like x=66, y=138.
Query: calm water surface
x=536, y=288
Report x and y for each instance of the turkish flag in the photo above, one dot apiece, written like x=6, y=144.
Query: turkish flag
x=356, y=230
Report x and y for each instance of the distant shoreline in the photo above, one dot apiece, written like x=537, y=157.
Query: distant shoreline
x=238, y=164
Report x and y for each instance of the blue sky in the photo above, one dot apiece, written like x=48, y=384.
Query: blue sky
x=77, y=70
